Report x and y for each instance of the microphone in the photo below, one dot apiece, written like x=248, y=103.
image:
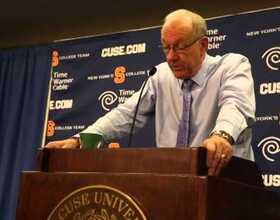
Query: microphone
x=151, y=72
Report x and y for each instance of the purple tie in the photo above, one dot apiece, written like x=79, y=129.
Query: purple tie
x=183, y=132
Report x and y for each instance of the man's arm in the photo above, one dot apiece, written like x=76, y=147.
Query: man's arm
x=237, y=112
x=66, y=143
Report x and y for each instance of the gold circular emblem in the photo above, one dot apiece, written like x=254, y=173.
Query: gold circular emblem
x=97, y=202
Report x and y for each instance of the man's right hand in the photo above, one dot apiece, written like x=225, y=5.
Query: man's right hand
x=66, y=143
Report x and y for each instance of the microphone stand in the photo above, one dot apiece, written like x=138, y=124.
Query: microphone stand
x=151, y=72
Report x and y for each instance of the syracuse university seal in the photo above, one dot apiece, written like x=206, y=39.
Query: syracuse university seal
x=97, y=202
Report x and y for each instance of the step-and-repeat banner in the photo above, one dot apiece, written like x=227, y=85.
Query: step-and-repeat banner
x=90, y=76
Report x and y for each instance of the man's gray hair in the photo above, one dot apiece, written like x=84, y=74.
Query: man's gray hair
x=198, y=23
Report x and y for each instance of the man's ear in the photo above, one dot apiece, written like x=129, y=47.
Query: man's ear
x=204, y=44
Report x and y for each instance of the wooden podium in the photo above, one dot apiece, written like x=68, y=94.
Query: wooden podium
x=167, y=184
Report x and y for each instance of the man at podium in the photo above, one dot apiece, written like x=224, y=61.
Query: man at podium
x=197, y=99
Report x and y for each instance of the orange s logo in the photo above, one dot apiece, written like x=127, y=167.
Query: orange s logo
x=50, y=128
x=55, y=58
x=119, y=75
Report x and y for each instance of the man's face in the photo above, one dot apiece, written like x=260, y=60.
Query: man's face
x=184, y=53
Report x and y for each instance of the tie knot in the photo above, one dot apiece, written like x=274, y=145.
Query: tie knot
x=187, y=84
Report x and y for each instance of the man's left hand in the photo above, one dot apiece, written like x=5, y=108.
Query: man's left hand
x=219, y=153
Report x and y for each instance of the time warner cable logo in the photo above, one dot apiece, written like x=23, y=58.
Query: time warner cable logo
x=270, y=147
x=272, y=58
x=107, y=99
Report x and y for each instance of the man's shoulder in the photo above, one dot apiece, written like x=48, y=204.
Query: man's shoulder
x=221, y=65
x=162, y=66
x=163, y=71
x=227, y=61
x=231, y=58
x=164, y=75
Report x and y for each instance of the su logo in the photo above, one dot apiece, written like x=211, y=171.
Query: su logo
x=119, y=75
x=55, y=58
x=50, y=128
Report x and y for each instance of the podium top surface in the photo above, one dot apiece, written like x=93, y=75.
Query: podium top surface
x=143, y=160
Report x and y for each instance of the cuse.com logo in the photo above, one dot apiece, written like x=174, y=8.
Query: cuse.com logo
x=272, y=58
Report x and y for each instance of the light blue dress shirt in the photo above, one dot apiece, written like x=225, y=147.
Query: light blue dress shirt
x=222, y=99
